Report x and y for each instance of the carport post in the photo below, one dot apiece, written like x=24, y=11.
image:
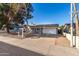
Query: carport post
x=71, y=41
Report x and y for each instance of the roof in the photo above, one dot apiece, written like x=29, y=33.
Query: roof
x=69, y=24
x=45, y=25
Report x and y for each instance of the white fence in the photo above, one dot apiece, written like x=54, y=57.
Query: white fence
x=75, y=39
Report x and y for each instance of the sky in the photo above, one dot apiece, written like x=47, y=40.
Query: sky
x=51, y=13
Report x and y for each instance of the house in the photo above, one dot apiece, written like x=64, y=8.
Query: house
x=67, y=27
x=45, y=29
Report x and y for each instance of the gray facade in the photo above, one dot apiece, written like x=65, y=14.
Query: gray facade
x=45, y=29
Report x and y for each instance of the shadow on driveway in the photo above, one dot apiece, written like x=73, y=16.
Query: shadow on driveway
x=11, y=50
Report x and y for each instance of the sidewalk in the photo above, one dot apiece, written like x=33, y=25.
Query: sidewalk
x=34, y=46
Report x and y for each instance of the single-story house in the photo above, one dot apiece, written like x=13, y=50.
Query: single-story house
x=67, y=27
x=45, y=29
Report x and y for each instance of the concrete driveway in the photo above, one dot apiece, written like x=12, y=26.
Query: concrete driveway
x=34, y=46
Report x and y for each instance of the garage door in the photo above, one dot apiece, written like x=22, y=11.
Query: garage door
x=49, y=31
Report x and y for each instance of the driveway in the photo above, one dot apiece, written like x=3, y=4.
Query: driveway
x=34, y=46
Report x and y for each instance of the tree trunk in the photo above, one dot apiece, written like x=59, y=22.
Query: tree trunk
x=7, y=24
x=27, y=22
x=7, y=27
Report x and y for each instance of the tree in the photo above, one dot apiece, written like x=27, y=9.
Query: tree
x=60, y=29
x=15, y=12
x=25, y=10
x=4, y=11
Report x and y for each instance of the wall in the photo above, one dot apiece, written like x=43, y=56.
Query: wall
x=74, y=41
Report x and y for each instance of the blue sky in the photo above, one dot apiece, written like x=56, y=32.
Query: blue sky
x=51, y=13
